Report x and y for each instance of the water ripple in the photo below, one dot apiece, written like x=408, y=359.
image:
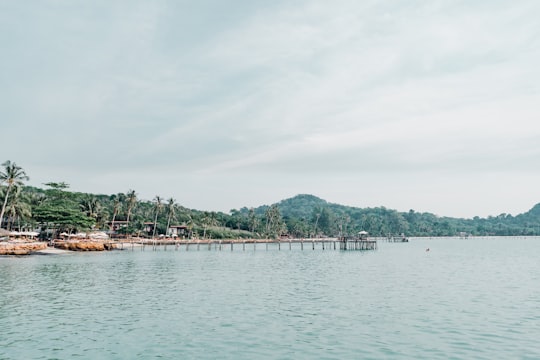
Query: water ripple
x=471, y=300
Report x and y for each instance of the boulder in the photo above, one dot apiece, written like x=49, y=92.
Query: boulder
x=18, y=248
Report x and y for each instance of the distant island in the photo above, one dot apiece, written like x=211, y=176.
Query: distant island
x=55, y=210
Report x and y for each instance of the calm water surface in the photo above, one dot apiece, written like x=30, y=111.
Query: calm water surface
x=464, y=299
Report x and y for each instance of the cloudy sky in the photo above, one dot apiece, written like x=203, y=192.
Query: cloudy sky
x=425, y=105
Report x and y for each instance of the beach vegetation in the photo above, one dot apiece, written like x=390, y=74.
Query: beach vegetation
x=55, y=209
x=12, y=176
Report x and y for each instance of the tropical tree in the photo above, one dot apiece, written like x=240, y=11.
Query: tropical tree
x=208, y=219
x=117, y=204
x=171, y=209
x=12, y=175
x=317, y=217
x=91, y=206
x=18, y=208
x=157, y=208
x=253, y=220
x=61, y=210
x=187, y=218
x=274, y=222
x=131, y=199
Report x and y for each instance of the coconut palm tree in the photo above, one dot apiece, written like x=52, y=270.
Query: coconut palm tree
x=12, y=175
x=208, y=220
x=91, y=206
x=190, y=224
x=171, y=209
x=157, y=208
x=18, y=208
x=117, y=204
x=131, y=199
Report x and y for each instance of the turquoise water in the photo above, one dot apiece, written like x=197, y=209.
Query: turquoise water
x=464, y=299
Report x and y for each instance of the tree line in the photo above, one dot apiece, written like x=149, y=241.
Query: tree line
x=55, y=209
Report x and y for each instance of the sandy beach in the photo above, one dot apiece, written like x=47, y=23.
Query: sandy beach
x=51, y=251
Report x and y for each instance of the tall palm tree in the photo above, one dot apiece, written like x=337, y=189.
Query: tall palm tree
x=18, y=208
x=208, y=220
x=157, y=208
x=171, y=209
x=190, y=224
x=131, y=199
x=13, y=175
x=117, y=204
x=91, y=206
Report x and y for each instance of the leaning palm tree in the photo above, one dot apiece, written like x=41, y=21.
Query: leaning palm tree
x=157, y=208
x=131, y=199
x=12, y=175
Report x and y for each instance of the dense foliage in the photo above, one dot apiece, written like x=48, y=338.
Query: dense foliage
x=55, y=209
x=308, y=215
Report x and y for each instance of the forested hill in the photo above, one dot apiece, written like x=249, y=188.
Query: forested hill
x=56, y=210
x=303, y=213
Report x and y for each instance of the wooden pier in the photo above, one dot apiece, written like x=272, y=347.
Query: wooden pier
x=358, y=244
x=248, y=244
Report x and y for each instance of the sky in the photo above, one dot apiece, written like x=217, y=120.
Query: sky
x=426, y=105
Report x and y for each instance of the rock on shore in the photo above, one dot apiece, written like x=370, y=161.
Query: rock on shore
x=16, y=248
x=83, y=245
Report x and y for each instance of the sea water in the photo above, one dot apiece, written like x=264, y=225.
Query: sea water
x=475, y=298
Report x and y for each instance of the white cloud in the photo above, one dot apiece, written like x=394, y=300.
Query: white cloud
x=290, y=91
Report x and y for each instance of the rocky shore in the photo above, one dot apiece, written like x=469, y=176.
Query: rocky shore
x=58, y=246
x=21, y=248
x=84, y=245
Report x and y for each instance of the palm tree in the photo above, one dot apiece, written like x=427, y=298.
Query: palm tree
x=13, y=175
x=116, y=208
x=190, y=223
x=131, y=198
x=171, y=207
x=18, y=208
x=318, y=215
x=208, y=220
x=157, y=208
x=91, y=206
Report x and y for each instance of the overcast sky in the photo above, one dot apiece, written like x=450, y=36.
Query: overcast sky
x=425, y=105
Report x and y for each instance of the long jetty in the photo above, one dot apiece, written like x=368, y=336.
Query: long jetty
x=244, y=244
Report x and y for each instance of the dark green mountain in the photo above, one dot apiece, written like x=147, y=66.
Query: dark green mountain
x=307, y=214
